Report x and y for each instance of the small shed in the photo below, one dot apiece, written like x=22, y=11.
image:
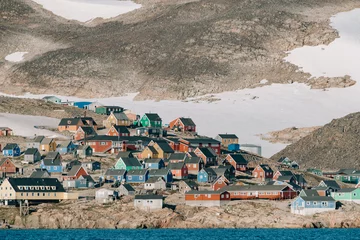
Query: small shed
x=126, y=190
x=105, y=195
x=32, y=155
x=148, y=202
x=84, y=151
x=155, y=183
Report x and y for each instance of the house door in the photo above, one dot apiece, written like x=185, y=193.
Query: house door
x=257, y=194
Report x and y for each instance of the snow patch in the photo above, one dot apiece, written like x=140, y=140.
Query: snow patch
x=86, y=10
x=264, y=81
x=15, y=57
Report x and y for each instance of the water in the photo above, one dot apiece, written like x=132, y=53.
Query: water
x=189, y=234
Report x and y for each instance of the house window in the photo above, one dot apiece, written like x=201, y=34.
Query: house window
x=196, y=195
x=314, y=203
x=308, y=203
x=209, y=195
x=324, y=204
x=141, y=177
x=55, y=168
x=222, y=196
x=130, y=177
x=354, y=194
x=194, y=165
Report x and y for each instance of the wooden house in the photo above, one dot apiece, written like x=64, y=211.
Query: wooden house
x=308, y=193
x=117, y=119
x=7, y=166
x=162, y=148
x=347, y=195
x=32, y=155
x=72, y=124
x=116, y=175
x=84, y=132
x=237, y=161
x=52, y=163
x=194, y=165
x=183, y=125
x=178, y=170
x=263, y=172
x=155, y=183
x=173, y=142
x=75, y=172
x=11, y=150
x=52, y=99
x=126, y=190
x=84, y=181
x=206, y=175
x=92, y=106
x=137, y=176
x=312, y=205
x=207, y=198
x=271, y=192
x=84, y=151
x=107, y=110
x=220, y=183
x=65, y=147
x=40, y=173
x=104, y=195
x=5, y=132
x=187, y=185
x=207, y=154
x=48, y=145
x=154, y=163
x=177, y=157
x=35, y=142
x=91, y=165
x=227, y=139
x=229, y=174
x=149, y=152
x=148, y=202
x=315, y=171
x=285, y=162
x=190, y=144
x=120, y=131
x=128, y=164
x=164, y=173
x=151, y=120
x=332, y=184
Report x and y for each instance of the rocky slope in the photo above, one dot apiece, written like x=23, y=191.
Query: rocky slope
x=238, y=214
x=334, y=146
x=166, y=49
x=288, y=135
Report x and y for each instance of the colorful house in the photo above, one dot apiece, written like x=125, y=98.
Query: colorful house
x=231, y=171
x=155, y=183
x=151, y=120
x=163, y=149
x=315, y=171
x=11, y=150
x=312, y=205
x=84, y=132
x=178, y=157
x=194, y=165
x=72, y=124
x=32, y=155
x=7, y=166
x=227, y=139
x=187, y=185
x=115, y=175
x=149, y=152
x=82, y=105
x=154, y=163
x=332, y=184
x=126, y=190
x=190, y=144
x=263, y=172
x=165, y=173
x=137, y=176
x=5, y=132
x=347, y=195
x=65, y=147
x=117, y=130
x=84, y=181
x=92, y=165
x=117, y=119
x=220, y=183
x=178, y=170
x=148, y=202
x=237, y=161
x=84, y=151
x=48, y=145
x=286, y=162
x=52, y=163
x=75, y=172
x=107, y=110
x=128, y=164
x=183, y=124
x=271, y=192
x=206, y=175
x=52, y=99
x=207, y=198
x=35, y=142
x=207, y=154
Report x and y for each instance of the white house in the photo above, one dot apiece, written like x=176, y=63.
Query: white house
x=105, y=195
x=155, y=183
x=309, y=205
x=148, y=202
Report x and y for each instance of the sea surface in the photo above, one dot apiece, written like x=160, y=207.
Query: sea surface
x=188, y=234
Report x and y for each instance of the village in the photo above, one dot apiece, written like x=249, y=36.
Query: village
x=146, y=160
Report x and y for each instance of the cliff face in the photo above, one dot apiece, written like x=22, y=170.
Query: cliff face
x=334, y=146
x=166, y=49
x=241, y=214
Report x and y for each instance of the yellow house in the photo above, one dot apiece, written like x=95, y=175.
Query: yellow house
x=33, y=189
x=119, y=119
x=149, y=152
x=227, y=139
x=48, y=145
x=163, y=149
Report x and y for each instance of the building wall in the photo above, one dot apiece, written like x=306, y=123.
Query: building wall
x=148, y=204
x=8, y=167
x=70, y=128
x=100, y=146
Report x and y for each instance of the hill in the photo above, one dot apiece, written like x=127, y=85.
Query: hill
x=165, y=50
x=334, y=146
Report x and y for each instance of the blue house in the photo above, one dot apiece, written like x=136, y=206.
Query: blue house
x=66, y=147
x=309, y=205
x=52, y=166
x=82, y=105
x=85, y=181
x=137, y=176
x=154, y=163
x=11, y=150
x=206, y=175
x=163, y=172
x=116, y=175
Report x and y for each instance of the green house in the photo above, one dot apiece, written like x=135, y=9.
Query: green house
x=128, y=164
x=353, y=178
x=107, y=110
x=315, y=171
x=347, y=194
x=151, y=120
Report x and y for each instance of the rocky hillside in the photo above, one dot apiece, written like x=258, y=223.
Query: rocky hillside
x=334, y=146
x=166, y=49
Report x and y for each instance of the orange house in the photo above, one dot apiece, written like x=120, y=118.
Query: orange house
x=237, y=161
x=84, y=132
x=207, y=198
x=271, y=192
x=7, y=166
x=220, y=182
x=179, y=170
x=75, y=172
x=48, y=145
x=120, y=131
x=263, y=172
x=183, y=125
x=72, y=124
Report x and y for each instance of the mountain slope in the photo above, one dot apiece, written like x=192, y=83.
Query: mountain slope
x=172, y=49
x=334, y=146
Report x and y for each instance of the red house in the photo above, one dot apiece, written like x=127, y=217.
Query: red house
x=7, y=166
x=207, y=198
x=75, y=172
x=237, y=161
x=263, y=172
x=183, y=125
x=207, y=154
x=120, y=131
x=220, y=182
x=271, y=192
x=190, y=144
x=84, y=132
x=174, y=143
x=194, y=164
x=179, y=170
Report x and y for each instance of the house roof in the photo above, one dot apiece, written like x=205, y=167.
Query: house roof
x=209, y=171
x=64, y=144
x=187, y=121
x=10, y=146
x=192, y=160
x=310, y=192
x=124, y=154
x=153, y=116
x=37, y=139
x=255, y=188
x=111, y=107
x=220, y=171
x=16, y=182
x=331, y=183
x=88, y=130
x=201, y=140
x=3, y=160
x=131, y=162
x=207, y=151
x=46, y=141
x=317, y=198
x=226, y=136
x=139, y=172
x=31, y=151
x=344, y=190
x=51, y=162
x=128, y=187
x=83, y=147
x=73, y=171
x=266, y=167
x=115, y=172
x=177, y=156
x=152, y=160
x=121, y=116
x=164, y=146
x=159, y=172
x=145, y=197
x=178, y=165
x=286, y=173
x=87, y=177
x=39, y=173
x=205, y=192
x=69, y=121
x=152, y=149
x=285, y=178
x=239, y=158
x=190, y=183
x=154, y=179
x=52, y=155
x=121, y=129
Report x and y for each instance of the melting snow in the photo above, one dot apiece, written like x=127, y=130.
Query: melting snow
x=15, y=57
